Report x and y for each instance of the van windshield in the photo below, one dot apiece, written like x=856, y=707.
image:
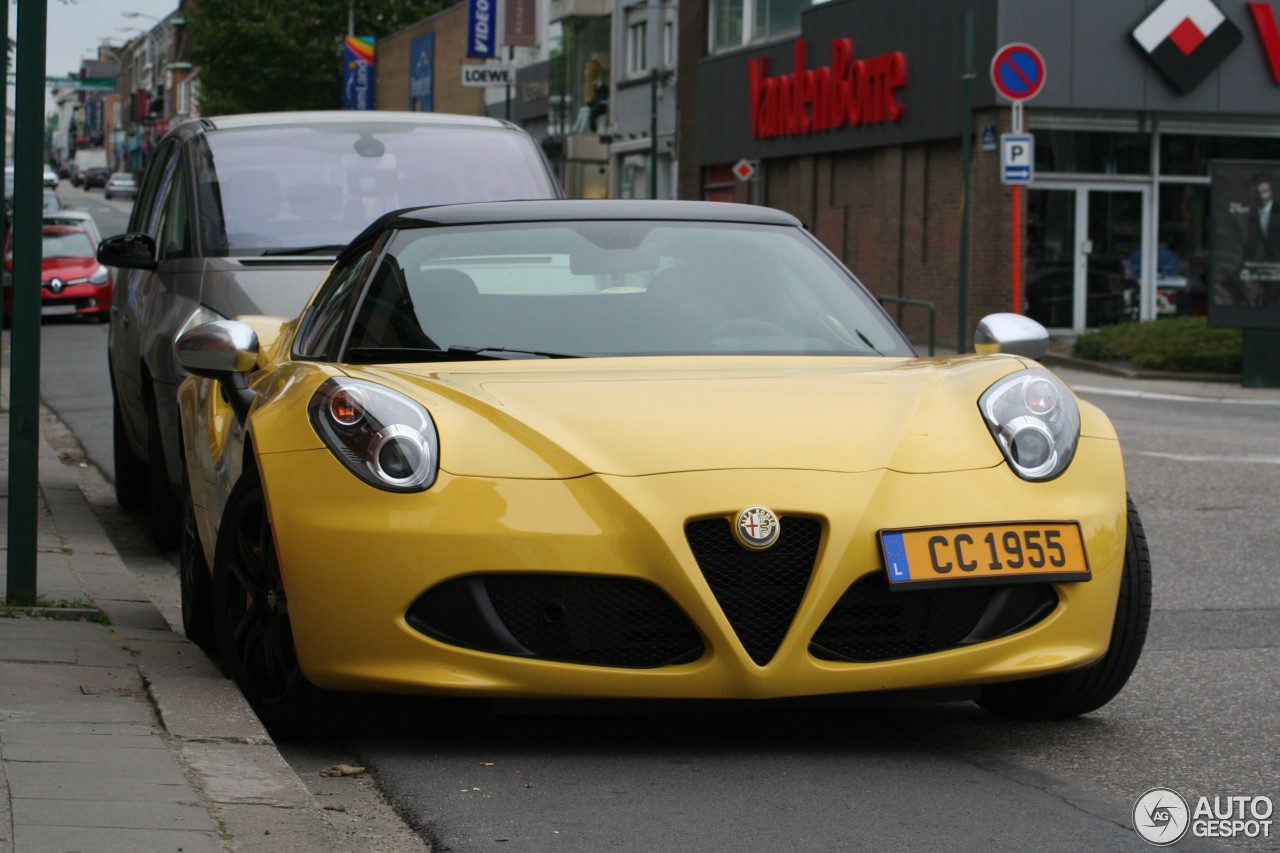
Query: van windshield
x=311, y=189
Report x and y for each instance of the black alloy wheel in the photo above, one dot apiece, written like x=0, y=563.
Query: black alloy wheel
x=251, y=614
x=1070, y=694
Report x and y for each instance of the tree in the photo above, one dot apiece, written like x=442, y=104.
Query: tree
x=266, y=55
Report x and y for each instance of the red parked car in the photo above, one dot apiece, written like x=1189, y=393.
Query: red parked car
x=71, y=279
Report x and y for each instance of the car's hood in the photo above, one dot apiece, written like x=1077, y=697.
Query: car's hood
x=633, y=417
x=67, y=268
x=273, y=286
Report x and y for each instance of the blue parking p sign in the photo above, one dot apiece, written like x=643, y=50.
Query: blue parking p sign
x=1017, y=158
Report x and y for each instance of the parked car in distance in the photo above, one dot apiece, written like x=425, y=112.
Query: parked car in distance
x=121, y=184
x=72, y=281
x=75, y=219
x=265, y=203
x=95, y=176
x=661, y=450
x=50, y=177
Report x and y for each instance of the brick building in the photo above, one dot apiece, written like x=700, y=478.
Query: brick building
x=854, y=112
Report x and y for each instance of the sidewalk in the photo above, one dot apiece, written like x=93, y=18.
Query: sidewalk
x=124, y=736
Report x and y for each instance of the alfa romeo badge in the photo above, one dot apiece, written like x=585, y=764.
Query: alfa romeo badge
x=757, y=528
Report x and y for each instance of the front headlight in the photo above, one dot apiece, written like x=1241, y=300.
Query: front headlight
x=100, y=276
x=1036, y=422
x=382, y=436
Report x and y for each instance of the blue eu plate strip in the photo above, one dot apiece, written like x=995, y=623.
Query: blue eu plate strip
x=895, y=557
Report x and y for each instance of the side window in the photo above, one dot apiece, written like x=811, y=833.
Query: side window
x=327, y=317
x=173, y=232
x=155, y=184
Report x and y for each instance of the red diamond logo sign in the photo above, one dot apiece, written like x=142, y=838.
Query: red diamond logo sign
x=744, y=169
x=1187, y=40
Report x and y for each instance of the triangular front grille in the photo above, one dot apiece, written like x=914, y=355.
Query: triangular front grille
x=759, y=591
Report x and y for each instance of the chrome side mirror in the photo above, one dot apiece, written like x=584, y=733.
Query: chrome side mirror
x=1011, y=333
x=223, y=350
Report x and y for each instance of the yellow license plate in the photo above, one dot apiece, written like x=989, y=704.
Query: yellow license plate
x=984, y=553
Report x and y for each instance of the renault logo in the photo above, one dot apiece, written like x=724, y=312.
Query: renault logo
x=56, y=285
x=757, y=528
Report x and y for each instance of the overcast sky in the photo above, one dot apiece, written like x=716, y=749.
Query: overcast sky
x=77, y=28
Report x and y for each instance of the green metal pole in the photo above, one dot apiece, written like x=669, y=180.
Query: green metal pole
x=966, y=154
x=4, y=152
x=653, y=130
x=24, y=355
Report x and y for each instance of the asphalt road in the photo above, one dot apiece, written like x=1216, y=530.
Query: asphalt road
x=1199, y=716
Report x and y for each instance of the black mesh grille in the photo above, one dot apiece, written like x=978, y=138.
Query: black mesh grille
x=758, y=591
x=872, y=623
x=601, y=621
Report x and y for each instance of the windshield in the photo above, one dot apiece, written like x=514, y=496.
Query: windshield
x=285, y=188
x=614, y=288
x=67, y=244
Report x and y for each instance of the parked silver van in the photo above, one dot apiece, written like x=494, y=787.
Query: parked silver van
x=243, y=215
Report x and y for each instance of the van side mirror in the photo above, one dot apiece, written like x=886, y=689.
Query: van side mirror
x=132, y=251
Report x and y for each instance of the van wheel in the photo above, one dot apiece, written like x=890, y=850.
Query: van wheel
x=193, y=577
x=165, y=510
x=132, y=486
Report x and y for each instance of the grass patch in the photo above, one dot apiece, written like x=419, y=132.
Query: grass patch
x=1175, y=345
x=60, y=608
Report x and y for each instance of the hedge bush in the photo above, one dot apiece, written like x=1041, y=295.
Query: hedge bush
x=1176, y=344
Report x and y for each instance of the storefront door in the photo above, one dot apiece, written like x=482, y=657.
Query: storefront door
x=1085, y=246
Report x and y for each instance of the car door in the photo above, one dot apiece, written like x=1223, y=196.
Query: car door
x=124, y=343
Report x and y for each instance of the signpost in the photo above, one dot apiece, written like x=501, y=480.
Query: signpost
x=1017, y=158
x=1017, y=72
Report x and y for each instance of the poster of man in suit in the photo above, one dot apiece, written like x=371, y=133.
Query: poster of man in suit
x=1244, y=245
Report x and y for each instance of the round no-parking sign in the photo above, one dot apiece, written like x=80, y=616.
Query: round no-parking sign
x=1017, y=72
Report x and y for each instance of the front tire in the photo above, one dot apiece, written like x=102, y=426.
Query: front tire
x=1081, y=691
x=251, y=614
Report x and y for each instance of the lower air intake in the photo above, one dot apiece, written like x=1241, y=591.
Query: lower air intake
x=759, y=591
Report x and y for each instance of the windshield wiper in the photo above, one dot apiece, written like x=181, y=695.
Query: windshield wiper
x=332, y=248
x=479, y=352
x=394, y=355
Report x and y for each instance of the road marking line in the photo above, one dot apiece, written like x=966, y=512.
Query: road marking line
x=1171, y=398
x=1197, y=457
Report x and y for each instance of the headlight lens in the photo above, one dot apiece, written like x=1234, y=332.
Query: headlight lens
x=100, y=276
x=382, y=436
x=1036, y=422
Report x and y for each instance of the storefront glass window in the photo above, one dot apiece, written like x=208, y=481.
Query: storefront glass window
x=1182, y=259
x=1092, y=152
x=735, y=23
x=777, y=16
x=1184, y=154
x=726, y=24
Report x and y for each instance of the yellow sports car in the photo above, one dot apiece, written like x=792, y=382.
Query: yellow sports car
x=643, y=450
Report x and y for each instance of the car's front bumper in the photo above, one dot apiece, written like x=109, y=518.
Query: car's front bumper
x=356, y=560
